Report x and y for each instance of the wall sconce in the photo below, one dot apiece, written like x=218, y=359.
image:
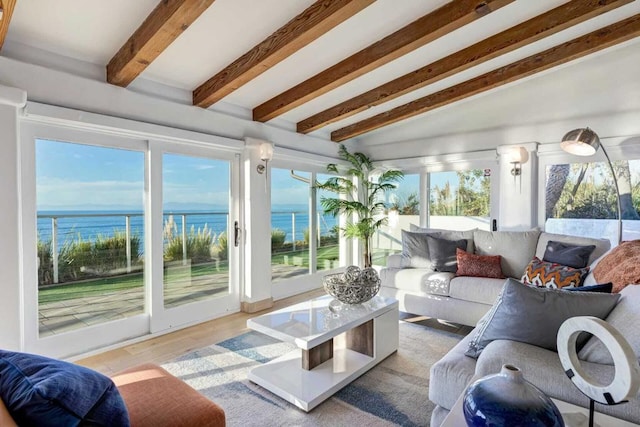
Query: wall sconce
x=517, y=157
x=266, y=155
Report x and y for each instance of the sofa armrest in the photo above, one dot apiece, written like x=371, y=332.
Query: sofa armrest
x=395, y=261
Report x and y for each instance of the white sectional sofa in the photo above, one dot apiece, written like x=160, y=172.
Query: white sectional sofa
x=450, y=376
x=463, y=299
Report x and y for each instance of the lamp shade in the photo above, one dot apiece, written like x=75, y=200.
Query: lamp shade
x=581, y=142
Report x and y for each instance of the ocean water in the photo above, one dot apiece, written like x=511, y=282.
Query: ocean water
x=88, y=225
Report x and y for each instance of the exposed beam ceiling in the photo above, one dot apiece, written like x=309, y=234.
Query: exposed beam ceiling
x=569, y=51
x=535, y=29
x=315, y=21
x=6, y=10
x=440, y=22
x=168, y=20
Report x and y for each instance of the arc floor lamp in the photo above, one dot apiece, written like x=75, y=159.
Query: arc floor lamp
x=585, y=142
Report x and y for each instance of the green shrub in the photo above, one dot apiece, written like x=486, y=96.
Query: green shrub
x=45, y=265
x=277, y=239
x=199, y=243
x=109, y=253
x=80, y=259
x=222, y=247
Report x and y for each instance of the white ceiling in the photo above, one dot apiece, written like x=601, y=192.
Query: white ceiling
x=93, y=31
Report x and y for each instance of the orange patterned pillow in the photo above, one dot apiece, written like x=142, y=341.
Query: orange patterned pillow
x=551, y=275
x=478, y=265
x=621, y=266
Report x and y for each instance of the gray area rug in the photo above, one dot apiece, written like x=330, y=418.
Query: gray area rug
x=395, y=392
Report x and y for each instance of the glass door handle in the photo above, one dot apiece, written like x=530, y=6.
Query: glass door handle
x=236, y=234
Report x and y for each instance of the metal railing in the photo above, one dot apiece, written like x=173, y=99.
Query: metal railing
x=89, y=231
x=92, y=231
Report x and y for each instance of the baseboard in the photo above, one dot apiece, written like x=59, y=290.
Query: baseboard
x=254, y=307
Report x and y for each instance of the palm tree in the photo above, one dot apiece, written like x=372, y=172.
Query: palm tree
x=556, y=180
x=362, y=198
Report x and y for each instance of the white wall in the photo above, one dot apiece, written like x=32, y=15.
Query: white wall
x=11, y=100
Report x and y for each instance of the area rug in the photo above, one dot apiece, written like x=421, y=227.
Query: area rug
x=395, y=392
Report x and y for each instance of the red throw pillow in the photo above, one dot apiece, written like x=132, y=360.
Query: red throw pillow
x=621, y=266
x=478, y=265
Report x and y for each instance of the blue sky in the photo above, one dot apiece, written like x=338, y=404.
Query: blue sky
x=83, y=177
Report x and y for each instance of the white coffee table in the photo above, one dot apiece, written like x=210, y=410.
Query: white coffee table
x=321, y=365
x=573, y=416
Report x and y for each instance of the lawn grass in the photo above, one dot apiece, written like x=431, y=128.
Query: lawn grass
x=102, y=286
x=96, y=287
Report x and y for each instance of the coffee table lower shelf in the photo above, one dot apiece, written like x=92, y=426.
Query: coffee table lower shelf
x=306, y=389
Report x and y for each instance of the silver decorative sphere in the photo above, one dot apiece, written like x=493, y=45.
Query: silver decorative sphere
x=354, y=286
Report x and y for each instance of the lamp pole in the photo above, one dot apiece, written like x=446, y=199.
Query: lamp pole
x=585, y=142
x=615, y=182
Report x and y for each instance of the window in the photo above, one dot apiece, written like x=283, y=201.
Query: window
x=195, y=194
x=303, y=239
x=403, y=209
x=90, y=242
x=328, y=232
x=580, y=199
x=290, y=231
x=460, y=200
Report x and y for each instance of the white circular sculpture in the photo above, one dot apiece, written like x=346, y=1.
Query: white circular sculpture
x=626, y=381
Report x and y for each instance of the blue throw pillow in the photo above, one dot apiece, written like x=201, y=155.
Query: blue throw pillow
x=605, y=288
x=43, y=392
x=574, y=256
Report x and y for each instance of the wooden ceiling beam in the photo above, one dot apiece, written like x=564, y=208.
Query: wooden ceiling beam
x=544, y=25
x=313, y=22
x=566, y=52
x=438, y=23
x=7, y=7
x=169, y=19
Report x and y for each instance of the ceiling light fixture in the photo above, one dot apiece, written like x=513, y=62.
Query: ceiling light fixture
x=585, y=142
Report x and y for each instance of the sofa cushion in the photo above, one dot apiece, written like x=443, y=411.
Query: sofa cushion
x=550, y=275
x=625, y=317
x=621, y=266
x=534, y=315
x=516, y=248
x=574, y=256
x=421, y=280
x=443, y=253
x=450, y=376
x=590, y=279
x=602, y=245
x=41, y=391
x=156, y=398
x=477, y=289
x=479, y=265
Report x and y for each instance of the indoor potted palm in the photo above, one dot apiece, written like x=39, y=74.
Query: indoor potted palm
x=362, y=201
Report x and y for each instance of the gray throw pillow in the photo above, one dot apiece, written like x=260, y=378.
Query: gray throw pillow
x=415, y=250
x=534, y=315
x=574, y=256
x=443, y=253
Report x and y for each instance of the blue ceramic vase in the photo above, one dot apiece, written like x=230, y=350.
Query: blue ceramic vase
x=507, y=399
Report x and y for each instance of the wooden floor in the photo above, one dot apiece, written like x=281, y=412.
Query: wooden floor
x=172, y=345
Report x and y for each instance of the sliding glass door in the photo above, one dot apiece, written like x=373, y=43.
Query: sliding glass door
x=123, y=237
x=195, y=217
